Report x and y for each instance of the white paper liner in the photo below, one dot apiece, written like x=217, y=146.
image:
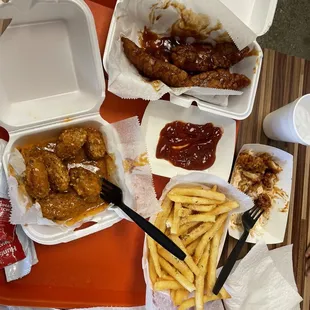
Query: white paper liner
x=3, y=181
x=263, y=273
x=117, y=143
x=162, y=300
x=274, y=230
x=129, y=19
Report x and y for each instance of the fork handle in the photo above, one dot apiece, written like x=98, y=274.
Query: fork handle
x=226, y=270
x=153, y=232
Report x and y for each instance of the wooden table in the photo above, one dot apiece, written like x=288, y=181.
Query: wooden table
x=282, y=80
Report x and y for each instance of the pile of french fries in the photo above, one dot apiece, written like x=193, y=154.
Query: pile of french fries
x=194, y=218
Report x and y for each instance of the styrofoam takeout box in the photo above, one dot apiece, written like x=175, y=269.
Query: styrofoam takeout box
x=256, y=14
x=51, y=78
x=239, y=106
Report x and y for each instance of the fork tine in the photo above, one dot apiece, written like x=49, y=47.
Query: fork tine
x=109, y=184
x=257, y=210
x=252, y=210
x=258, y=215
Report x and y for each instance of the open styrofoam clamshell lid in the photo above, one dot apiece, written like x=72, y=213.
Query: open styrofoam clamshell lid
x=50, y=66
x=256, y=14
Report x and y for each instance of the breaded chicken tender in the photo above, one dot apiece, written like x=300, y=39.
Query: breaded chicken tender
x=57, y=172
x=36, y=178
x=201, y=57
x=95, y=146
x=70, y=142
x=86, y=183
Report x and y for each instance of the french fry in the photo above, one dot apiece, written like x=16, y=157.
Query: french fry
x=180, y=295
x=162, y=216
x=172, y=295
x=152, y=271
x=201, y=278
x=209, y=194
x=192, y=247
x=186, y=227
x=196, y=233
x=211, y=270
x=162, y=285
x=193, y=200
x=165, y=277
x=176, y=275
x=203, y=217
x=178, y=264
x=224, y=294
x=224, y=208
x=214, y=188
x=154, y=254
x=170, y=219
x=200, y=208
x=188, y=259
x=191, y=301
x=208, y=236
x=185, y=212
x=176, y=218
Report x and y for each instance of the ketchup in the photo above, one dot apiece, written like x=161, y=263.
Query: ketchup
x=189, y=146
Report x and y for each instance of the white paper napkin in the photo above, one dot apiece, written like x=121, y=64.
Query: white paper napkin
x=263, y=280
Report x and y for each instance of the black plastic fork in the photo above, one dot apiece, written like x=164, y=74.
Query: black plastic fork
x=249, y=218
x=113, y=194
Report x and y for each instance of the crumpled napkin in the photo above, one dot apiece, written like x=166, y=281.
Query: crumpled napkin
x=263, y=280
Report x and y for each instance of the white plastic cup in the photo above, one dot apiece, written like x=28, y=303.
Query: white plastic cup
x=290, y=123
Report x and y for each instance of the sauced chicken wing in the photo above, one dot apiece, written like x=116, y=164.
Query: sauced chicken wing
x=205, y=57
x=57, y=172
x=64, y=206
x=70, y=142
x=221, y=79
x=102, y=168
x=86, y=183
x=152, y=67
x=95, y=146
x=36, y=178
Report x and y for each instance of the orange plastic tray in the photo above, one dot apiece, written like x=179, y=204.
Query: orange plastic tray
x=103, y=269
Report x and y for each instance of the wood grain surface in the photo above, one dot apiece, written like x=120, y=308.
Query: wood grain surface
x=283, y=79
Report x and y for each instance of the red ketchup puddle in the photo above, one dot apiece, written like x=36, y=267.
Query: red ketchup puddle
x=189, y=146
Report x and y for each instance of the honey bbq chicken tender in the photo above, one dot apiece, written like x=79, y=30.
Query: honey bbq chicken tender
x=70, y=142
x=36, y=178
x=95, y=146
x=86, y=183
x=57, y=172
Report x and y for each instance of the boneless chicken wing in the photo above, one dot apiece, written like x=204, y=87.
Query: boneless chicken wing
x=95, y=146
x=70, y=142
x=86, y=183
x=36, y=178
x=57, y=172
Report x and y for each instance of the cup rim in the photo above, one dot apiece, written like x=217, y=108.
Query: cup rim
x=294, y=120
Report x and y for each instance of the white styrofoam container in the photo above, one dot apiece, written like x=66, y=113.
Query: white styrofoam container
x=51, y=78
x=258, y=16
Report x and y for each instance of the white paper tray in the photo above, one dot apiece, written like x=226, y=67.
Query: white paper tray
x=274, y=231
x=159, y=113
